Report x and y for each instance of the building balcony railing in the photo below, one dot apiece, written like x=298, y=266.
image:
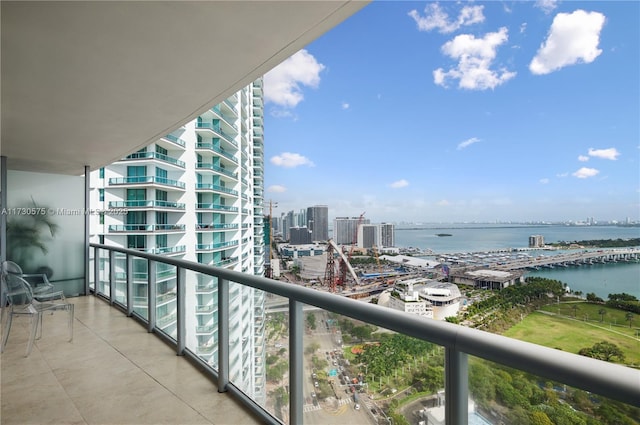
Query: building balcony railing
x=142, y=204
x=155, y=155
x=216, y=226
x=216, y=109
x=216, y=207
x=167, y=249
x=215, y=246
x=455, y=344
x=216, y=168
x=174, y=139
x=218, y=150
x=216, y=188
x=146, y=228
x=146, y=180
x=217, y=129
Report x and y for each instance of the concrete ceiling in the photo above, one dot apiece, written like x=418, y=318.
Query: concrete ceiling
x=86, y=83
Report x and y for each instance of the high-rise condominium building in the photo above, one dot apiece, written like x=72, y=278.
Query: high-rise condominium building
x=197, y=194
x=318, y=222
x=345, y=229
x=388, y=235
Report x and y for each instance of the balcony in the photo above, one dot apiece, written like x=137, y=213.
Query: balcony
x=215, y=246
x=211, y=167
x=111, y=356
x=217, y=130
x=215, y=188
x=146, y=228
x=216, y=207
x=147, y=204
x=146, y=180
x=138, y=156
x=216, y=226
x=211, y=147
x=67, y=385
x=173, y=139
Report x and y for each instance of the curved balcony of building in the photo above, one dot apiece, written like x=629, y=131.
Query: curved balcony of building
x=216, y=170
x=212, y=129
x=172, y=141
x=146, y=228
x=215, y=188
x=158, y=157
x=215, y=246
x=225, y=209
x=222, y=114
x=211, y=147
x=151, y=204
x=152, y=181
x=212, y=227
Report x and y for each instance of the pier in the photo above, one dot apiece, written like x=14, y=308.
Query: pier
x=570, y=259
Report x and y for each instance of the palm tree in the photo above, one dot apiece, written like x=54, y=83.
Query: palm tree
x=629, y=318
x=602, y=312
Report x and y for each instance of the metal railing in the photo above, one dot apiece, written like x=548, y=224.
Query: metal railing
x=609, y=380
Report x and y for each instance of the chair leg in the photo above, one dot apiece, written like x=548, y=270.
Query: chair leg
x=71, y=313
x=35, y=320
x=6, y=329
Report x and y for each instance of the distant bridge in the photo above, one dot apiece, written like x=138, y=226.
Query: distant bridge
x=571, y=259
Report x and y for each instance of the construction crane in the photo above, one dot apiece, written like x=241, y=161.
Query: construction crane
x=345, y=263
x=329, y=275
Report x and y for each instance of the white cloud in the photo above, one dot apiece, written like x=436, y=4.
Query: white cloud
x=585, y=172
x=573, y=38
x=283, y=84
x=345, y=105
x=544, y=181
x=467, y=143
x=443, y=203
x=290, y=160
x=276, y=188
x=475, y=57
x=436, y=18
x=399, y=184
x=611, y=153
x=583, y=158
x=523, y=27
x=562, y=175
x=547, y=6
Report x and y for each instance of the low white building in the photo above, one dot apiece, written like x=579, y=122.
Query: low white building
x=428, y=298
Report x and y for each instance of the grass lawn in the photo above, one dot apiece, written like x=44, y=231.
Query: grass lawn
x=571, y=335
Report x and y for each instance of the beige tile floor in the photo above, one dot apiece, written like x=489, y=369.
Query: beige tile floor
x=113, y=372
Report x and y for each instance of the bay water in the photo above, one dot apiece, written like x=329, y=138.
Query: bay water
x=601, y=279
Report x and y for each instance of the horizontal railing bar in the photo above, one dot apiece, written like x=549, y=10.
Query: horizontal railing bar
x=607, y=379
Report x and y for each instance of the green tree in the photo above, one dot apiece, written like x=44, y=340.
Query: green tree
x=603, y=351
x=602, y=312
x=312, y=348
x=540, y=418
x=311, y=321
x=629, y=318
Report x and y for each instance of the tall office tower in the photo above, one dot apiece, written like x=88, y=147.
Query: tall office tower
x=345, y=229
x=388, y=235
x=318, y=222
x=368, y=235
x=300, y=236
x=197, y=194
x=288, y=221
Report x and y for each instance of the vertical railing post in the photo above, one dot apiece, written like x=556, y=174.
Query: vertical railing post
x=87, y=229
x=96, y=270
x=181, y=331
x=112, y=276
x=296, y=357
x=151, y=294
x=129, y=285
x=223, y=334
x=456, y=387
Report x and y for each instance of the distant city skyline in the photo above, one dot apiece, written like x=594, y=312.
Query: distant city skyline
x=454, y=112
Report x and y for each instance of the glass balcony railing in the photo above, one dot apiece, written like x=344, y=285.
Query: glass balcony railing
x=211, y=126
x=174, y=139
x=218, y=111
x=323, y=353
x=216, y=149
x=167, y=249
x=216, y=226
x=155, y=155
x=216, y=168
x=216, y=188
x=153, y=203
x=217, y=207
x=146, y=227
x=214, y=246
x=146, y=179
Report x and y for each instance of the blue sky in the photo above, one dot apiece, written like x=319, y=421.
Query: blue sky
x=479, y=111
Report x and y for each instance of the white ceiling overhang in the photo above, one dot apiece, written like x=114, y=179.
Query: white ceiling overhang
x=86, y=83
